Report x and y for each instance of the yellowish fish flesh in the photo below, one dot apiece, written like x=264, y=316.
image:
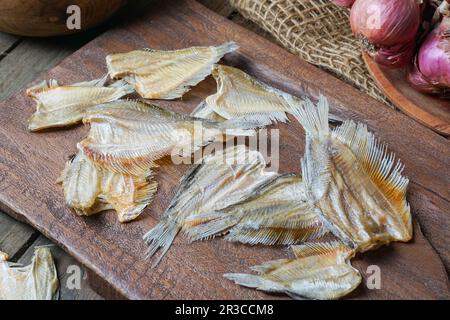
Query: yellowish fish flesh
x=319, y=271
x=129, y=136
x=37, y=281
x=355, y=184
x=222, y=179
x=158, y=74
x=60, y=106
x=277, y=212
x=89, y=190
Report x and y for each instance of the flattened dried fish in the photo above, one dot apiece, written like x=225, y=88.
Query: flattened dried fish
x=277, y=212
x=241, y=96
x=157, y=74
x=318, y=271
x=59, y=106
x=37, y=281
x=356, y=185
x=89, y=190
x=128, y=136
x=225, y=178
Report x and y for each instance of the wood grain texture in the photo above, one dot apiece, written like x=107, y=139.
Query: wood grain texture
x=48, y=18
x=30, y=163
x=427, y=110
x=14, y=236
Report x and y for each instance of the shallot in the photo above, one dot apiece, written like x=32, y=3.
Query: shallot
x=388, y=28
x=431, y=70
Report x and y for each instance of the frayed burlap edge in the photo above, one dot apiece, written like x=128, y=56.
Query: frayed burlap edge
x=317, y=31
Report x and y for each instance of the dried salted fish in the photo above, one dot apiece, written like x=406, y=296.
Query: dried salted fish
x=356, y=185
x=157, y=74
x=241, y=96
x=222, y=179
x=59, y=106
x=128, y=136
x=37, y=281
x=318, y=271
x=89, y=190
x=277, y=212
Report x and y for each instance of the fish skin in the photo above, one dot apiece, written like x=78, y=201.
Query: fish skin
x=129, y=136
x=60, y=106
x=212, y=185
x=158, y=74
x=37, y=281
x=276, y=212
x=356, y=185
x=318, y=271
x=90, y=190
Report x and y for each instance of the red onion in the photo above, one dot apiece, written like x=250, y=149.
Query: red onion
x=388, y=27
x=431, y=71
x=344, y=3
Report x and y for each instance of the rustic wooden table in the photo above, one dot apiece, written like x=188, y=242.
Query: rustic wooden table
x=22, y=60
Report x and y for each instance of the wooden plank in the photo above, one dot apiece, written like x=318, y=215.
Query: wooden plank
x=222, y=7
x=67, y=269
x=14, y=236
x=30, y=164
x=6, y=42
x=32, y=57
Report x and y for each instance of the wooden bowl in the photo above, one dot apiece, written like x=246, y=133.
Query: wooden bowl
x=430, y=111
x=39, y=18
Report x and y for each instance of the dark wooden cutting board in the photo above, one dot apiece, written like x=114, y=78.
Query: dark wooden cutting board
x=113, y=252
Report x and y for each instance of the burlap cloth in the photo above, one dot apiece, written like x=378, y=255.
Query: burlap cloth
x=319, y=32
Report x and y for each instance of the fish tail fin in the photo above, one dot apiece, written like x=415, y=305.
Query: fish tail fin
x=208, y=225
x=225, y=48
x=313, y=119
x=161, y=238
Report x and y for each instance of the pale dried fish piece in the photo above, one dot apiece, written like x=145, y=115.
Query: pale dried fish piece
x=60, y=106
x=239, y=95
x=277, y=212
x=158, y=74
x=318, y=271
x=37, y=281
x=89, y=190
x=222, y=179
x=356, y=185
x=129, y=136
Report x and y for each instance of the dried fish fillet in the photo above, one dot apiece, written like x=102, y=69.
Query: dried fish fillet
x=157, y=74
x=128, y=136
x=277, y=212
x=356, y=185
x=89, y=190
x=318, y=271
x=37, y=281
x=60, y=106
x=241, y=96
x=222, y=179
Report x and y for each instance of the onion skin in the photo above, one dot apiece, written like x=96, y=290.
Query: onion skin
x=388, y=28
x=431, y=71
x=344, y=3
x=396, y=56
x=386, y=22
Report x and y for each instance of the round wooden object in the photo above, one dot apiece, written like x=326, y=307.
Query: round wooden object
x=426, y=109
x=49, y=18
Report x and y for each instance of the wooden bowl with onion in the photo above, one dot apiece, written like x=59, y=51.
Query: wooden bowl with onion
x=39, y=18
